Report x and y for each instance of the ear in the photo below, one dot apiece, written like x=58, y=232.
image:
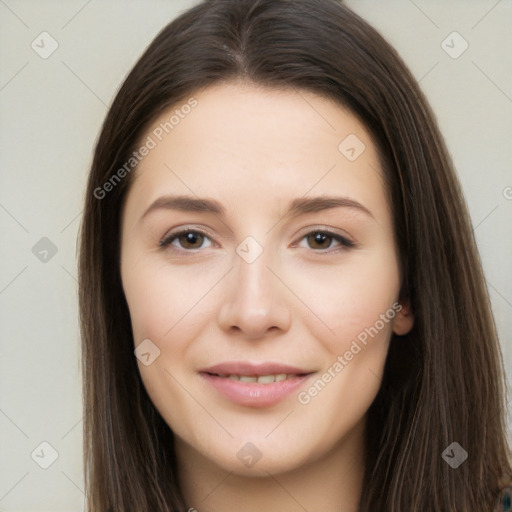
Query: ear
x=404, y=319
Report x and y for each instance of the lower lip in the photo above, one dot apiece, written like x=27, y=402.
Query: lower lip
x=252, y=394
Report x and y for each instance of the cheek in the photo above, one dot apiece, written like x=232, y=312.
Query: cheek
x=359, y=309
x=162, y=299
x=364, y=305
x=165, y=307
x=357, y=304
x=349, y=298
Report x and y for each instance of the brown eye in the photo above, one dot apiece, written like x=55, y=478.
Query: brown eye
x=191, y=240
x=319, y=240
x=324, y=240
x=186, y=240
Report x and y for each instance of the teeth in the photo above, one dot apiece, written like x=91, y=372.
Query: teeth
x=262, y=379
x=244, y=378
x=266, y=379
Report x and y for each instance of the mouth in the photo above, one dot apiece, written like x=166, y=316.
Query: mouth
x=259, y=379
x=254, y=385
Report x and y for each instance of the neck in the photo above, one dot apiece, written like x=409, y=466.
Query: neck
x=332, y=482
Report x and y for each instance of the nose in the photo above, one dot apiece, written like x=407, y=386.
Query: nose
x=254, y=302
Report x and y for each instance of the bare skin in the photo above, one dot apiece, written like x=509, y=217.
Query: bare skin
x=293, y=295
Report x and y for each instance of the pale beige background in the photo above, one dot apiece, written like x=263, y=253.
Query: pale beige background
x=50, y=114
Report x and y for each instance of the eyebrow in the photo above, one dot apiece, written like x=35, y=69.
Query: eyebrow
x=296, y=207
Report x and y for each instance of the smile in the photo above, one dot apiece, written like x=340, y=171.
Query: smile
x=254, y=384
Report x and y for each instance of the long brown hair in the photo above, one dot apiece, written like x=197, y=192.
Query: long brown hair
x=443, y=382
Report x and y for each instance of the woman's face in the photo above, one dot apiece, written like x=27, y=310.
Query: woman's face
x=261, y=274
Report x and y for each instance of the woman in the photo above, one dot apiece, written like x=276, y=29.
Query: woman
x=282, y=303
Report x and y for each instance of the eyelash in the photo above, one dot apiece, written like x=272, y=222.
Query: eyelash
x=343, y=242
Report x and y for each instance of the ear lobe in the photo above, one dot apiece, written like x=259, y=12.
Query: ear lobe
x=404, y=319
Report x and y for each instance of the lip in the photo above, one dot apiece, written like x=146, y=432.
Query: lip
x=253, y=394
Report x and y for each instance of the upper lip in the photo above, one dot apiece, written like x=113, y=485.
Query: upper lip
x=256, y=369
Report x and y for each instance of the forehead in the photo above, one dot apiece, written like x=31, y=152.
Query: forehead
x=256, y=145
